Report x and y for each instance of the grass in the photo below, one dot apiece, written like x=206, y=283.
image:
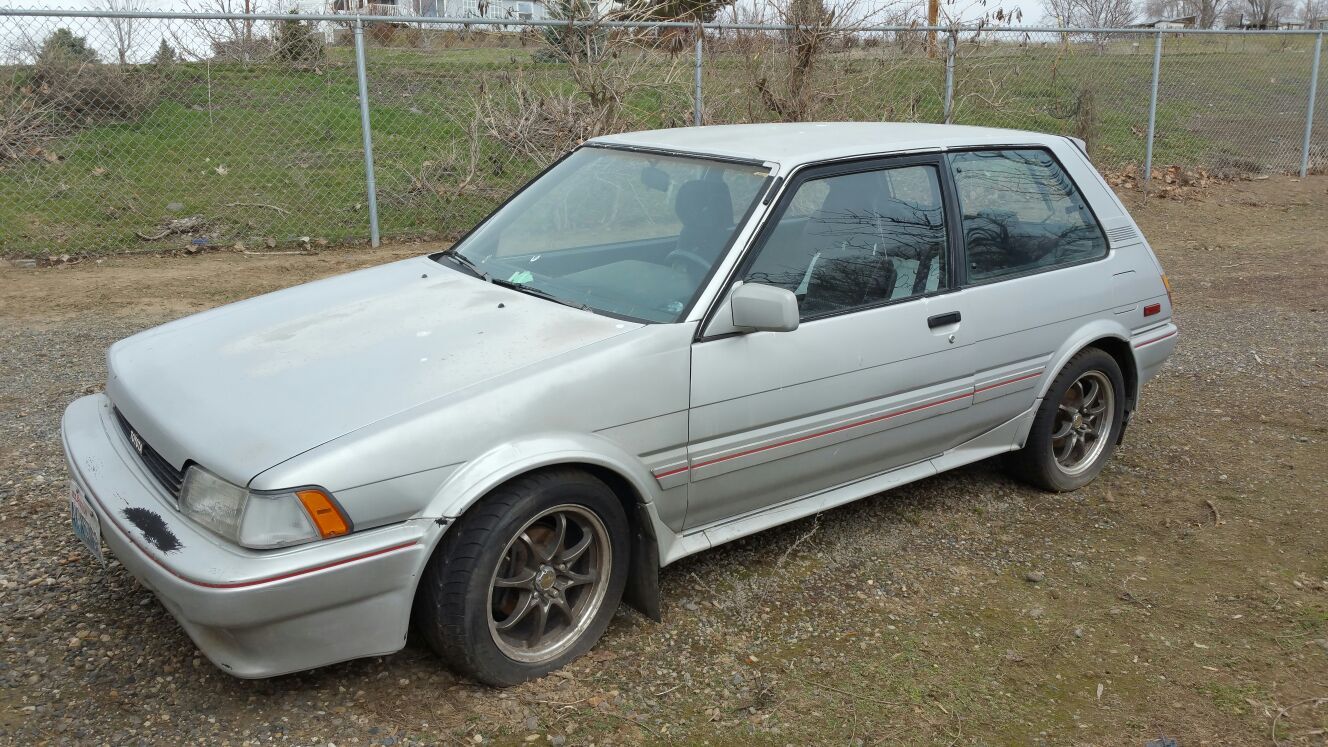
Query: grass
x=270, y=155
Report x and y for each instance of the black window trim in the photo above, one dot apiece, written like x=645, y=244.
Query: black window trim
x=961, y=265
x=841, y=167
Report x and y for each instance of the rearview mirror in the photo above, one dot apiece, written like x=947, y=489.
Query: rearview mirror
x=655, y=178
x=764, y=308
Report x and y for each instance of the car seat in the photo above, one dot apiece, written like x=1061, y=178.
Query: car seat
x=705, y=208
x=850, y=266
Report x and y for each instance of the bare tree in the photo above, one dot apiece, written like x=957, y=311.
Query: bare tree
x=1312, y=10
x=232, y=38
x=1263, y=14
x=611, y=71
x=1090, y=13
x=1205, y=12
x=793, y=72
x=122, y=29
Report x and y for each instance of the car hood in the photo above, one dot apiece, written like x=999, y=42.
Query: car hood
x=244, y=387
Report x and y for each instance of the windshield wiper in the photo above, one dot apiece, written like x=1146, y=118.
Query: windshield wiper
x=538, y=293
x=467, y=263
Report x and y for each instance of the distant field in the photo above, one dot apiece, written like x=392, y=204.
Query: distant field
x=269, y=155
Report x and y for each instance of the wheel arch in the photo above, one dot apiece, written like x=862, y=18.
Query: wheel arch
x=624, y=475
x=1108, y=336
x=1123, y=353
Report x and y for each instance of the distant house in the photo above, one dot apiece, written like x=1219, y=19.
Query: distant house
x=1180, y=22
x=1282, y=24
x=524, y=10
x=1319, y=23
x=519, y=9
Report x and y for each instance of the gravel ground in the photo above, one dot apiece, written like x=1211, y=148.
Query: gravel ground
x=1184, y=593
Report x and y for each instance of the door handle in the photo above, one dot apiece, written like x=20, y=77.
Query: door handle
x=940, y=320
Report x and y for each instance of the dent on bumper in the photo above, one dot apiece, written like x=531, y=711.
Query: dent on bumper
x=254, y=614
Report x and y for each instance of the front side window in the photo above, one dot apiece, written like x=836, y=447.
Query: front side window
x=632, y=234
x=857, y=240
x=1021, y=213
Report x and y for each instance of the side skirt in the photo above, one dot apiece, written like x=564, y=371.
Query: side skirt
x=998, y=440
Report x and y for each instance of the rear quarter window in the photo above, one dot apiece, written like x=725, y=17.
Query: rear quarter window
x=1021, y=213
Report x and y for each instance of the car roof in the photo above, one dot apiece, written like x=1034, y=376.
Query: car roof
x=796, y=143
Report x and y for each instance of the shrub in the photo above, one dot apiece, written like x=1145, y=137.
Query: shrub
x=1085, y=118
x=165, y=55
x=563, y=43
x=242, y=48
x=69, y=82
x=63, y=48
x=382, y=33
x=25, y=125
x=90, y=91
x=297, y=44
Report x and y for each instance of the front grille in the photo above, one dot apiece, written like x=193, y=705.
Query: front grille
x=169, y=477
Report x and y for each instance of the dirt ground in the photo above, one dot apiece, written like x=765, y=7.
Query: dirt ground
x=1183, y=594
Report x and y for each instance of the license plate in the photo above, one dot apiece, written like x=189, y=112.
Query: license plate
x=87, y=527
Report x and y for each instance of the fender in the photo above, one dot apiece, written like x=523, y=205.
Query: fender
x=1086, y=335
x=501, y=463
x=477, y=477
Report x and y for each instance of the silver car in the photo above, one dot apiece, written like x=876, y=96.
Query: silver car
x=666, y=341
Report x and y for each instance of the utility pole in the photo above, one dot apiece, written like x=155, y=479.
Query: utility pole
x=248, y=29
x=933, y=16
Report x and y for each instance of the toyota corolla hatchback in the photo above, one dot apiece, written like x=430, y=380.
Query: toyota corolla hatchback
x=667, y=341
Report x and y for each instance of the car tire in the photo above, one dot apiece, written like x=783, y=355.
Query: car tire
x=1069, y=444
x=527, y=579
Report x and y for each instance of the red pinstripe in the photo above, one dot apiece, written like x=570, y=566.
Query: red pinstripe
x=1172, y=333
x=846, y=426
x=241, y=584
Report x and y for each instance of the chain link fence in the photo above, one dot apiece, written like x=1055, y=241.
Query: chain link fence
x=277, y=132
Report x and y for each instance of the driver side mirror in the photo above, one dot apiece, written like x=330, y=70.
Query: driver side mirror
x=764, y=308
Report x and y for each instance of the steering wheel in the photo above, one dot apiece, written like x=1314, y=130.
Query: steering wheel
x=686, y=261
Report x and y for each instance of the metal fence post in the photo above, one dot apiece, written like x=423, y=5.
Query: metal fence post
x=949, y=76
x=1309, y=109
x=1152, y=112
x=697, y=116
x=368, y=133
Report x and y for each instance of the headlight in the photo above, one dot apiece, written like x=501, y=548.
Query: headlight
x=260, y=519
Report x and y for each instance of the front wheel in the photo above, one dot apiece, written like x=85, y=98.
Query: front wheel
x=528, y=579
x=1076, y=428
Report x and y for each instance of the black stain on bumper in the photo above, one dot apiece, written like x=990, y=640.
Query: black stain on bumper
x=154, y=528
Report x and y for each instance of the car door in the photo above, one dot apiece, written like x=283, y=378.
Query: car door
x=1031, y=263
x=873, y=378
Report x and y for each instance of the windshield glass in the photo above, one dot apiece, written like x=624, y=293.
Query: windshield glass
x=627, y=233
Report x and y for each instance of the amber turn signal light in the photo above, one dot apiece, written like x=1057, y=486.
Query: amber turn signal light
x=327, y=517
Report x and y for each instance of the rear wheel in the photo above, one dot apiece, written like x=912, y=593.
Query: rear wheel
x=528, y=579
x=1076, y=428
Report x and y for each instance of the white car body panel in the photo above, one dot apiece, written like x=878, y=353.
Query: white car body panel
x=411, y=390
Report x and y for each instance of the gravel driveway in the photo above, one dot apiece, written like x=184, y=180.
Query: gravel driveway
x=1184, y=593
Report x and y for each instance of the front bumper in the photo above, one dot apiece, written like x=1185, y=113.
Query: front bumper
x=253, y=613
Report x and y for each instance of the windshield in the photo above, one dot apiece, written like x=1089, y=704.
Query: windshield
x=627, y=233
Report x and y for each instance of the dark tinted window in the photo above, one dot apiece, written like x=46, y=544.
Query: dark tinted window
x=1021, y=213
x=855, y=240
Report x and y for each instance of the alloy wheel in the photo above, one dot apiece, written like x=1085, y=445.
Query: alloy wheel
x=1083, y=422
x=549, y=583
